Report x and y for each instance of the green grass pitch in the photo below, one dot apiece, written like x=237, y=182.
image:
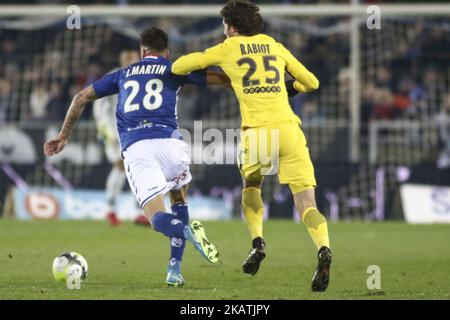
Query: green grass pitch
x=129, y=262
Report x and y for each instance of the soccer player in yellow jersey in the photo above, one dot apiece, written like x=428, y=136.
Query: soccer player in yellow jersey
x=256, y=64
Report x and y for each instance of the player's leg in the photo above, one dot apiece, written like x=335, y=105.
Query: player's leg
x=314, y=221
x=114, y=184
x=252, y=204
x=178, y=200
x=252, y=207
x=296, y=169
x=169, y=225
x=177, y=231
x=149, y=184
x=317, y=227
x=173, y=157
x=177, y=245
x=163, y=221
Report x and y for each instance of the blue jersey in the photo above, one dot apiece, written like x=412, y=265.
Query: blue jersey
x=147, y=101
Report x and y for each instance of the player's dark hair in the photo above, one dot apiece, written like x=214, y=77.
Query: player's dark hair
x=155, y=39
x=244, y=16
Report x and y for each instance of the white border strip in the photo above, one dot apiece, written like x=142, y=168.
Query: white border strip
x=213, y=10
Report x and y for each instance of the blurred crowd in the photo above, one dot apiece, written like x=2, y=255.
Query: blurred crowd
x=414, y=83
x=409, y=79
x=37, y=83
x=401, y=79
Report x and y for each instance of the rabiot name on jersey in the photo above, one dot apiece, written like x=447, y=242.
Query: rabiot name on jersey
x=254, y=48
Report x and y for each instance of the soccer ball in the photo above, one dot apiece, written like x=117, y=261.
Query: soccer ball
x=70, y=264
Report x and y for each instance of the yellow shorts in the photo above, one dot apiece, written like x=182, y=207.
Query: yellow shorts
x=278, y=148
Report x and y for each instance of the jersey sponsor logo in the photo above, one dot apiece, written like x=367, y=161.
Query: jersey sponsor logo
x=266, y=89
x=146, y=124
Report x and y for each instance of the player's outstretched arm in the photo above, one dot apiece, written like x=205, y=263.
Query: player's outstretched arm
x=305, y=81
x=199, y=60
x=57, y=144
x=301, y=87
x=215, y=78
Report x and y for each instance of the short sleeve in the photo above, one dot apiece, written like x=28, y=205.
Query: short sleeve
x=108, y=85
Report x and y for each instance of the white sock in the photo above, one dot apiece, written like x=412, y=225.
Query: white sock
x=114, y=184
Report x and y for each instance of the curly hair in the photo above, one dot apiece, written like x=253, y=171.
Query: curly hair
x=243, y=15
x=154, y=38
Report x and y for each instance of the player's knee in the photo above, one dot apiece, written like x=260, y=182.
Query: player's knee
x=304, y=200
x=150, y=218
x=313, y=218
x=309, y=203
x=155, y=220
x=178, y=197
x=252, y=184
x=305, y=206
x=152, y=207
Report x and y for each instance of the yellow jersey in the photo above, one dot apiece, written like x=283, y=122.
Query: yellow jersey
x=256, y=67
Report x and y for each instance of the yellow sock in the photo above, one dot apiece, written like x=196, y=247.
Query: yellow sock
x=316, y=224
x=252, y=206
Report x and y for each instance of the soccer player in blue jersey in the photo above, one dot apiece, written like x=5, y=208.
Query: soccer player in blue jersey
x=155, y=157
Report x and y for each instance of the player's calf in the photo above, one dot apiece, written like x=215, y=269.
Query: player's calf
x=172, y=227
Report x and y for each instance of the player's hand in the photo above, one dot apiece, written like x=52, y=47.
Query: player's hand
x=290, y=88
x=55, y=145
